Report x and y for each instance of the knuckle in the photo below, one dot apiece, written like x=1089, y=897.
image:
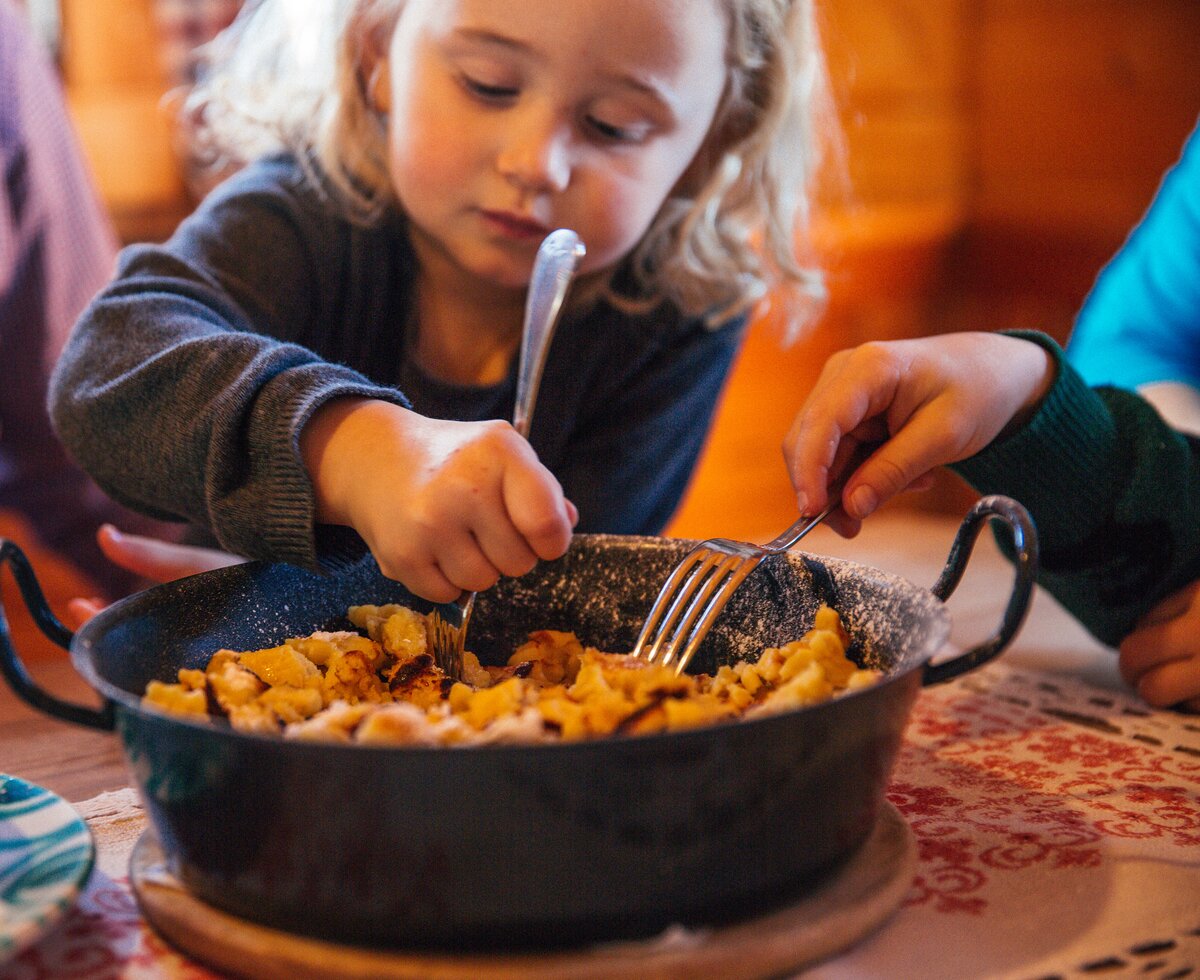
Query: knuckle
x=517, y=565
x=874, y=358
x=496, y=433
x=548, y=537
x=889, y=476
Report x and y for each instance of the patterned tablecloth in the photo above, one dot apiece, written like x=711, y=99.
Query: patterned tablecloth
x=1058, y=826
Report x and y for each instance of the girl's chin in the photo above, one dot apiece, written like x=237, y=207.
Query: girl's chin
x=506, y=275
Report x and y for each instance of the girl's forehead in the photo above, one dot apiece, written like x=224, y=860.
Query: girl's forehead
x=666, y=33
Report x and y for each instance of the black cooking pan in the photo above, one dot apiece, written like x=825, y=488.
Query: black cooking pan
x=518, y=845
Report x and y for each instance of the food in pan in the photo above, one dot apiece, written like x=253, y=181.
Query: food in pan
x=381, y=686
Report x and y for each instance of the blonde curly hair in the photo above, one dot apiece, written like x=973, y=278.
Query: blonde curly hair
x=728, y=236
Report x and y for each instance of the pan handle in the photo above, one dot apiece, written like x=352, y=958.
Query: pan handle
x=1025, y=548
x=14, y=670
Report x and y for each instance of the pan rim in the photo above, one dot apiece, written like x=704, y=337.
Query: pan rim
x=83, y=656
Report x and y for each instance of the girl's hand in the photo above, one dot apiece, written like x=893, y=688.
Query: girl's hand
x=1161, y=658
x=151, y=558
x=907, y=406
x=443, y=506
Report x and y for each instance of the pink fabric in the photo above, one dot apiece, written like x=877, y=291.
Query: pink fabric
x=57, y=249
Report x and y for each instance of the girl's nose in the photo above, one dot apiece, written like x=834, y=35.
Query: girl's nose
x=536, y=156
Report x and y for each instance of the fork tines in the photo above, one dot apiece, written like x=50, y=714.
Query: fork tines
x=445, y=642
x=690, y=602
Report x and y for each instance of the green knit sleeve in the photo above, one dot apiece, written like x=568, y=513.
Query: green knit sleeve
x=1115, y=494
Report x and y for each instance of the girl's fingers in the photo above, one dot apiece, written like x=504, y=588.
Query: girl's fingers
x=1149, y=648
x=1172, y=607
x=921, y=483
x=160, y=561
x=80, y=610
x=424, y=580
x=904, y=459
x=844, y=410
x=505, y=548
x=1172, y=683
x=847, y=527
x=541, y=516
x=463, y=562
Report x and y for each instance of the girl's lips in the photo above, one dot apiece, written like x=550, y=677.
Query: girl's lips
x=514, y=226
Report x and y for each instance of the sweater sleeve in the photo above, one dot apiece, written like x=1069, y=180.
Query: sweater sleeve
x=183, y=388
x=1114, y=492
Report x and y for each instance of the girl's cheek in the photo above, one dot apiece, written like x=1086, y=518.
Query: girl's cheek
x=626, y=215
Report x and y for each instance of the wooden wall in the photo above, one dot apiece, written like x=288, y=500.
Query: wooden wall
x=998, y=150
x=1078, y=107
x=116, y=90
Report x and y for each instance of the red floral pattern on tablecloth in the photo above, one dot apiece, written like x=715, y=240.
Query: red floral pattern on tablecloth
x=988, y=762
x=104, y=938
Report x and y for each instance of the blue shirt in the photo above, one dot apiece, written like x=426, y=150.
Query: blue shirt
x=1141, y=322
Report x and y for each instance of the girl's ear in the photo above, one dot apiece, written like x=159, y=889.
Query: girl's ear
x=373, y=70
x=379, y=85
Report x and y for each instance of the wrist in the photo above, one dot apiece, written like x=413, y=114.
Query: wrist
x=333, y=444
x=1040, y=367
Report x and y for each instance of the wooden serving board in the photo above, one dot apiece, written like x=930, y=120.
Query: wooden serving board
x=828, y=920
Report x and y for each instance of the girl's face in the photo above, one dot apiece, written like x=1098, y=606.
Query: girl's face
x=509, y=119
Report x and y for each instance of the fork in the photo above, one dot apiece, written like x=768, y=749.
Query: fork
x=553, y=268
x=698, y=589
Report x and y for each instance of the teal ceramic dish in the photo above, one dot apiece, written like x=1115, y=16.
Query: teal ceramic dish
x=46, y=855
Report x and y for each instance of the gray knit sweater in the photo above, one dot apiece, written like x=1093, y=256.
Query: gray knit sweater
x=187, y=381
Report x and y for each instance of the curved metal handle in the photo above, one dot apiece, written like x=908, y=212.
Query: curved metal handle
x=553, y=268
x=14, y=670
x=1024, y=538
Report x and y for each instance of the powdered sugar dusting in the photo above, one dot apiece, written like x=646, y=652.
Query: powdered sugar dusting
x=601, y=590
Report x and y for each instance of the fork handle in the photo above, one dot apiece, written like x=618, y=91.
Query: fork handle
x=794, y=533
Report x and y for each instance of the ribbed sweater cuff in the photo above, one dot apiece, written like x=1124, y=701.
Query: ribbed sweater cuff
x=1051, y=464
x=289, y=530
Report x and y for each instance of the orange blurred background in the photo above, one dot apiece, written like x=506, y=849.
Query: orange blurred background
x=998, y=151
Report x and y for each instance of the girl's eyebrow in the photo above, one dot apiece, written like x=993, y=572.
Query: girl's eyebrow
x=491, y=37
x=642, y=85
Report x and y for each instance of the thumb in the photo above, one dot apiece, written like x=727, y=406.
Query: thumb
x=158, y=560
x=538, y=510
x=894, y=466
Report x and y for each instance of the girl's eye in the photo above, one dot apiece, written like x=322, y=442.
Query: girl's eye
x=488, y=91
x=615, y=133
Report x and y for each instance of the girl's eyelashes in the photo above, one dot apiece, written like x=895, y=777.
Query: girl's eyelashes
x=489, y=91
x=598, y=126
x=615, y=133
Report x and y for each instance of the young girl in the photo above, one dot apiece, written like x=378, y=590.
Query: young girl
x=317, y=358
